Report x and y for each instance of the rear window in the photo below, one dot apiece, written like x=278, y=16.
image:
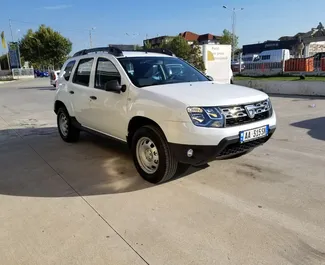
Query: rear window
x=68, y=70
x=53, y=76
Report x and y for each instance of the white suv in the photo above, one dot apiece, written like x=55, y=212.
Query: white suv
x=169, y=116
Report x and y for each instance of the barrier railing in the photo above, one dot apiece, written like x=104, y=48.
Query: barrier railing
x=23, y=73
x=309, y=65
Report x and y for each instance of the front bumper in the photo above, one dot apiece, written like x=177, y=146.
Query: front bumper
x=227, y=147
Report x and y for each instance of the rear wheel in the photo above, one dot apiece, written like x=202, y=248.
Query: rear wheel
x=66, y=129
x=152, y=156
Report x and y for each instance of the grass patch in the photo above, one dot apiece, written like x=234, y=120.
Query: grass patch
x=281, y=78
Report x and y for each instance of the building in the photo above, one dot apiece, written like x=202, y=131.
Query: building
x=157, y=41
x=268, y=45
x=302, y=44
x=201, y=39
x=189, y=36
x=125, y=47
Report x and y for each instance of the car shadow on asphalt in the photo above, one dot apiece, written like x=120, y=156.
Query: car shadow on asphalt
x=51, y=88
x=315, y=126
x=35, y=162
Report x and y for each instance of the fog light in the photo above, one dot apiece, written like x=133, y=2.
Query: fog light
x=217, y=124
x=189, y=152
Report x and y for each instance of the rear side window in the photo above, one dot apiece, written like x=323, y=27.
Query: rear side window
x=68, y=70
x=82, y=73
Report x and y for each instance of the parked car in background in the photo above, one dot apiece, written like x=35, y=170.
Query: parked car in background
x=235, y=67
x=273, y=56
x=40, y=73
x=54, y=75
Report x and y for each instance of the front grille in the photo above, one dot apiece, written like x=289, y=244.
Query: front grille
x=238, y=115
x=237, y=148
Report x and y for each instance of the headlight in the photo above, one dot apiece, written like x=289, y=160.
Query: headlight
x=269, y=105
x=206, y=116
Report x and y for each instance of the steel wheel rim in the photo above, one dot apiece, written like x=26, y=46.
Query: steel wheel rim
x=147, y=155
x=63, y=124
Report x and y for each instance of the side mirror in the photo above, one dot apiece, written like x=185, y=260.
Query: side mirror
x=114, y=86
x=210, y=78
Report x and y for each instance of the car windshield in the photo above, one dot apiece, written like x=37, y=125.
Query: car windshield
x=150, y=71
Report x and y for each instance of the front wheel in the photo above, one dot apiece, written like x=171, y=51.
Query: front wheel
x=152, y=156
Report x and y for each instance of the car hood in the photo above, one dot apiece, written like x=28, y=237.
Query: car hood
x=208, y=93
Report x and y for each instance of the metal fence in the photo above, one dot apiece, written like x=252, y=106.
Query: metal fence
x=309, y=65
x=23, y=73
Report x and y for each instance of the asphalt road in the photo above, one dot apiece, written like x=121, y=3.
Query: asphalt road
x=84, y=203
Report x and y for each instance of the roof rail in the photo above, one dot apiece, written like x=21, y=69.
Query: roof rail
x=118, y=52
x=111, y=50
x=160, y=50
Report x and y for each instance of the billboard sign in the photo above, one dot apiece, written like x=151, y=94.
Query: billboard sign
x=14, y=56
x=217, y=61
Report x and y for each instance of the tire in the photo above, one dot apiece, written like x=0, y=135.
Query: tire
x=70, y=134
x=54, y=85
x=150, y=142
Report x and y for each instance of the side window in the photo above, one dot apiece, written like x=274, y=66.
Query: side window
x=82, y=73
x=266, y=57
x=105, y=71
x=68, y=70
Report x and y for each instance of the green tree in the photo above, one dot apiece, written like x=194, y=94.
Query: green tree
x=45, y=47
x=138, y=48
x=190, y=53
x=147, y=45
x=226, y=38
x=196, y=57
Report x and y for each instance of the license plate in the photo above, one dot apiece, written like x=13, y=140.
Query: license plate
x=249, y=135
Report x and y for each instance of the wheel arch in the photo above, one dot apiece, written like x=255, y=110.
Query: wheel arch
x=58, y=103
x=138, y=122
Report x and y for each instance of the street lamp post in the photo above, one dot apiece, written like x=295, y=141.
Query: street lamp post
x=233, y=26
x=90, y=37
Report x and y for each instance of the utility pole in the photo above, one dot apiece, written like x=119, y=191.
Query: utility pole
x=12, y=39
x=233, y=27
x=12, y=36
x=90, y=40
x=90, y=37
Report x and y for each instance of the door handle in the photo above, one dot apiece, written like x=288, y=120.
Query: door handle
x=93, y=97
x=71, y=92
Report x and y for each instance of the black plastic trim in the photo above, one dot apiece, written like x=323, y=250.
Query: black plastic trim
x=111, y=50
x=76, y=124
x=228, y=147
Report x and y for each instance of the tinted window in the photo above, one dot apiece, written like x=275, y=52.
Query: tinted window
x=82, y=74
x=149, y=71
x=266, y=57
x=105, y=71
x=68, y=70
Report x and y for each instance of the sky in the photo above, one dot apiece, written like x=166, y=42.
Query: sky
x=129, y=21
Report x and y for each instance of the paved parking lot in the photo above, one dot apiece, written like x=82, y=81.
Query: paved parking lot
x=85, y=204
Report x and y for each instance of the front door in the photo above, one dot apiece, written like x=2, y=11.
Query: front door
x=108, y=109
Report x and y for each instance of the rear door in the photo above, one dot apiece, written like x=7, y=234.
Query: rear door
x=79, y=90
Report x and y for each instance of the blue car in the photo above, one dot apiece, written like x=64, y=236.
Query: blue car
x=39, y=73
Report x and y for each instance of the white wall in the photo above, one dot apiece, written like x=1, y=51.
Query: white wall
x=305, y=88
